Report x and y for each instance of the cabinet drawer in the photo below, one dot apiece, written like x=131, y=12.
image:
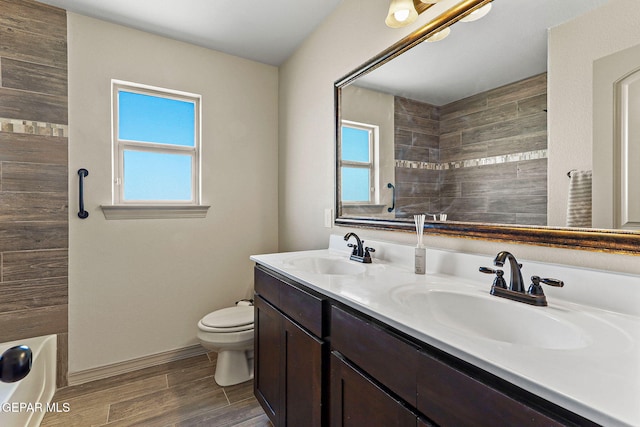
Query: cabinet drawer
x=299, y=305
x=383, y=356
x=302, y=307
x=452, y=398
x=267, y=286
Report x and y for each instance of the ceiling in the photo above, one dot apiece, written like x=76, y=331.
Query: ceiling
x=263, y=31
x=507, y=45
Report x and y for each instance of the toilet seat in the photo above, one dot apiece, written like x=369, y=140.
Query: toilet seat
x=230, y=319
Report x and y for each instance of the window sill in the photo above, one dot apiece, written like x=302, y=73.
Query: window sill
x=153, y=211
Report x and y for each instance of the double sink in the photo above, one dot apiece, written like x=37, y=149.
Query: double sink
x=580, y=352
x=467, y=310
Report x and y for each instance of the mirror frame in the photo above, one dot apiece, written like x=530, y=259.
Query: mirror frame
x=602, y=240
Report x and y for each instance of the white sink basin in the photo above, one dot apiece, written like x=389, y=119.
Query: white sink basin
x=486, y=316
x=326, y=265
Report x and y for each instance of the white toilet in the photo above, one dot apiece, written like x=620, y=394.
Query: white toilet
x=229, y=332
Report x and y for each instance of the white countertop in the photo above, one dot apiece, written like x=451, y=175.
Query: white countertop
x=596, y=374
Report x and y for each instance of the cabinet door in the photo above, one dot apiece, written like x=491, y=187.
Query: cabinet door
x=267, y=361
x=303, y=377
x=356, y=401
x=288, y=369
x=453, y=398
x=383, y=356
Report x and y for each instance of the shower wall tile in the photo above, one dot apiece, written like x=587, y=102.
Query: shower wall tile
x=490, y=163
x=532, y=168
x=501, y=171
x=504, y=187
x=520, y=126
x=418, y=189
x=531, y=219
x=33, y=77
x=33, y=177
x=24, y=206
x=490, y=116
x=518, y=144
x=25, y=236
x=463, y=107
x=29, y=294
x=34, y=265
x=26, y=45
x=533, y=105
x=463, y=204
x=411, y=108
x=33, y=148
x=407, y=207
x=34, y=174
x=465, y=152
x=450, y=140
x=518, y=91
x=518, y=204
x=17, y=104
x=36, y=18
x=408, y=152
x=417, y=175
x=33, y=322
x=62, y=367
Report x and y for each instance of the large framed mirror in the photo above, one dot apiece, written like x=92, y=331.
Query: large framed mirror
x=482, y=131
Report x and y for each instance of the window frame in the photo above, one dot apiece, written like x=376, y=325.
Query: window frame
x=372, y=165
x=120, y=146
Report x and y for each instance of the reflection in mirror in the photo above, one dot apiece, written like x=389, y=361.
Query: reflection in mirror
x=619, y=137
x=461, y=125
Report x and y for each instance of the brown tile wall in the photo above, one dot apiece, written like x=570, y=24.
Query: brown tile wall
x=417, y=134
x=507, y=120
x=33, y=174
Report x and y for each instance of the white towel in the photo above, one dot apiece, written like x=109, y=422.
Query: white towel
x=579, y=206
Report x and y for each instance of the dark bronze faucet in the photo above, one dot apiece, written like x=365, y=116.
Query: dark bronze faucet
x=360, y=253
x=516, y=283
x=516, y=291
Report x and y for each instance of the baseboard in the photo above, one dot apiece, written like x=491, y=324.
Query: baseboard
x=107, y=371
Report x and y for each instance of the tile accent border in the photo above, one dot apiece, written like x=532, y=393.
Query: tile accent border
x=33, y=127
x=483, y=161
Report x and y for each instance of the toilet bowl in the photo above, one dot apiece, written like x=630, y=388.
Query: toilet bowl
x=229, y=332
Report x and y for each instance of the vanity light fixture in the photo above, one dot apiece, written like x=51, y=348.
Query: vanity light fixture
x=401, y=13
x=477, y=14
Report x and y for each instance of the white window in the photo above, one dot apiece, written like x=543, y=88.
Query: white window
x=156, y=146
x=357, y=163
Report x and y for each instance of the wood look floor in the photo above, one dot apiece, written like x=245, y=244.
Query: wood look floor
x=176, y=394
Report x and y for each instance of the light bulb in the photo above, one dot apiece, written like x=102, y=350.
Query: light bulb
x=440, y=35
x=401, y=15
x=477, y=14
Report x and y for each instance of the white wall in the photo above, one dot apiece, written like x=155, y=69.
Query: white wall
x=349, y=37
x=138, y=287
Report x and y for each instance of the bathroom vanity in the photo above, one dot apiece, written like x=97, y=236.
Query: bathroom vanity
x=339, y=343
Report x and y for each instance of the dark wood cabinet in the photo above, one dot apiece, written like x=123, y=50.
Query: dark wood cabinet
x=441, y=389
x=288, y=358
x=302, y=377
x=451, y=397
x=267, y=342
x=372, y=375
x=357, y=401
x=390, y=360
